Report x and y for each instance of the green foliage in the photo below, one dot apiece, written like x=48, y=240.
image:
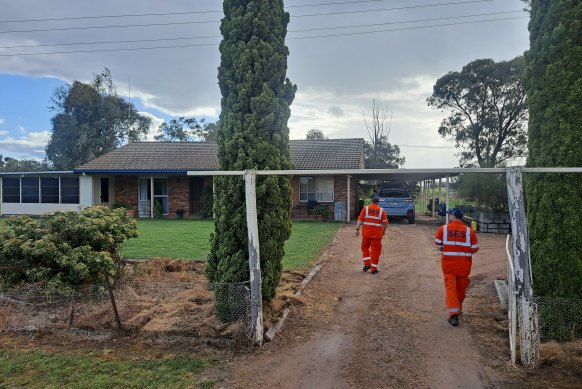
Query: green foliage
x=66, y=248
x=488, y=111
x=91, y=120
x=207, y=202
x=186, y=130
x=489, y=190
x=554, y=88
x=120, y=204
x=382, y=155
x=322, y=209
x=8, y=164
x=256, y=96
x=158, y=209
x=315, y=134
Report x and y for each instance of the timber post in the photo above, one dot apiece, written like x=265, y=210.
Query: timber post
x=254, y=256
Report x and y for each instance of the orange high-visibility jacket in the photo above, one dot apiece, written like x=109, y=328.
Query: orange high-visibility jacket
x=458, y=243
x=372, y=218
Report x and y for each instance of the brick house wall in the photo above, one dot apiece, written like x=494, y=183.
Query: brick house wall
x=126, y=190
x=178, y=195
x=299, y=210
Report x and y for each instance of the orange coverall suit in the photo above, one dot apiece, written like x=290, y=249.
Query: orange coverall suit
x=372, y=218
x=458, y=244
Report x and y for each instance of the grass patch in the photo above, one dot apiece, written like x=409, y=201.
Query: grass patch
x=307, y=241
x=189, y=239
x=181, y=238
x=35, y=369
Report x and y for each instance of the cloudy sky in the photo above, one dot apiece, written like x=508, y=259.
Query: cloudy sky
x=343, y=54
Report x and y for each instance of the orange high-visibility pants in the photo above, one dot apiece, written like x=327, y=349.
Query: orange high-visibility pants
x=371, y=250
x=456, y=289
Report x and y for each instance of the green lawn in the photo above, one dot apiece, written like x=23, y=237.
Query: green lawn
x=178, y=238
x=35, y=369
x=189, y=239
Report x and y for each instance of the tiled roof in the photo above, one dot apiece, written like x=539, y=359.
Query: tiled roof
x=183, y=156
x=327, y=154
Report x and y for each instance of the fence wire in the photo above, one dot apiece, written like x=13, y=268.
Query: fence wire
x=151, y=307
x=560, y=319
x=233, y=303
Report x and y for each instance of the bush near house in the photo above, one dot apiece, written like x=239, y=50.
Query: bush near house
x=64, y=249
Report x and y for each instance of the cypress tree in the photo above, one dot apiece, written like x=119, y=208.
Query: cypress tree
x=554, y=89
x=253, y=134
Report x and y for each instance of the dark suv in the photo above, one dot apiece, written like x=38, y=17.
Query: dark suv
x=397, y=202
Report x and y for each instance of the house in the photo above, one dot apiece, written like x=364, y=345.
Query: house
x=153, y=177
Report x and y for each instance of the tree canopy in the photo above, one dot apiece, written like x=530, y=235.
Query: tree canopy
x=379, y=153
x=91, y=120
x=253, y=134
x=185, y=129
x=9, y=164
x=315, y=134
x=488, y=111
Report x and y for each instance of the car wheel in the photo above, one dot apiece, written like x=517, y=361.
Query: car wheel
x=411, y=220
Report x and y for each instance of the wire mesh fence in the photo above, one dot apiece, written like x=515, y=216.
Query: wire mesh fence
x=560, y=319
x=544, y=319
x=233, y=303
x=150, y=302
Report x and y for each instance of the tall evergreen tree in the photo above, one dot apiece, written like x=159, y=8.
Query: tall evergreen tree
x=253, y=134
x=554, y=88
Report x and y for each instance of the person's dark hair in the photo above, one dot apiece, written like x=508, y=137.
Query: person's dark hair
x=375, y=199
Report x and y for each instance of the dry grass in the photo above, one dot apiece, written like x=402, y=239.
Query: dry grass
x=157, y=298
x=5, y=313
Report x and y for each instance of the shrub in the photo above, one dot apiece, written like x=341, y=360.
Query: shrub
x=66, y=248
x=120, y=204
x=158, y=209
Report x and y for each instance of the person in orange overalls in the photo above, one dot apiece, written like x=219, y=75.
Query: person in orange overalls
x=458, y=244
x=374, y=222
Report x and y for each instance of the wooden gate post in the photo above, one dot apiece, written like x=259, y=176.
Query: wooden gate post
x=520, y=246
x=254, y=256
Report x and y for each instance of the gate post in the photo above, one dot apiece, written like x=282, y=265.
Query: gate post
x=254, y=256
x=521, y=258
x=527, y=309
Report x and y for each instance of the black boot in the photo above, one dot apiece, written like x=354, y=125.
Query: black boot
x=454, y=320
x=366, y=268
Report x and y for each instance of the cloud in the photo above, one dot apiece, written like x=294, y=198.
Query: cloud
x=335, y=111
x=2, y=120
x=32, y=145
x=413, y=122
x=154, y=126
x=3, y=132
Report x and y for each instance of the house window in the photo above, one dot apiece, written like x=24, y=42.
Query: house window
x=30, y=189
x=49, y=190
x=318, y=188
x=46, y=190
x=69, y=190
x=161, y=193
x=11, y=190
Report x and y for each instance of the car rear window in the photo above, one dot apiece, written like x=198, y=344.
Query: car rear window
x=394, y=193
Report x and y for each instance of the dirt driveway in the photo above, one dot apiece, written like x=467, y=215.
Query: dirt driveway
x=358, y=330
